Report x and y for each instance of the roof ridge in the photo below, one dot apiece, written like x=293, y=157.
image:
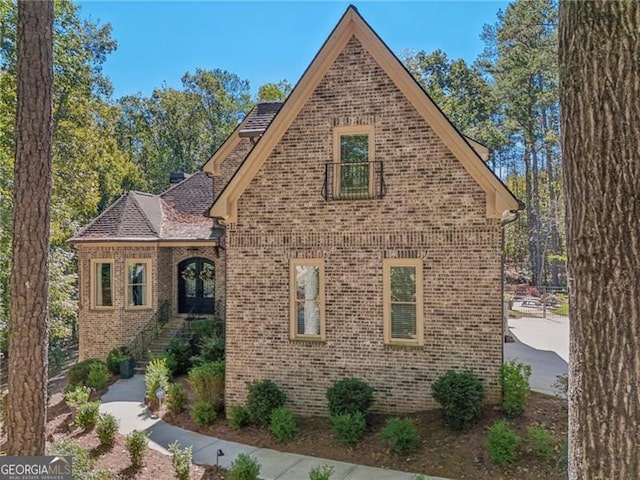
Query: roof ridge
x=144, y=215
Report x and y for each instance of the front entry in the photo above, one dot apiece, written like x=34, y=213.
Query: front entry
x=196, y=286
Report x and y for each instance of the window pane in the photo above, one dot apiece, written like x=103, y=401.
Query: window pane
x=137, y=284
x=137, y=295
x=307, y=299
x=403, y=284
x=307, y=282
x=207, y=278
x=138, y=273
x=403, y=320
x=354, y=148
x=103, y=285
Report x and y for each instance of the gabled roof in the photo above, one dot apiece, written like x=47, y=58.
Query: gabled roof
x=499, y=198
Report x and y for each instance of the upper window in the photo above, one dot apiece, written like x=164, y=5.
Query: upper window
x=138, y=283
x=353, y=157
x=102, y=283
x=403, y=305
x=307, y=299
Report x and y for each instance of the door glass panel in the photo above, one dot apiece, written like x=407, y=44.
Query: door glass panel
x=188, y=274
x=207, y=277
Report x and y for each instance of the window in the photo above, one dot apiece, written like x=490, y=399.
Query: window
x=307, y=299
x=138, y=283
x=402, y=290
x=101, y=283
x=353, y=154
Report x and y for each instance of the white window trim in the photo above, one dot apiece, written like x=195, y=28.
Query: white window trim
x=386, y=288
x=293, y=306
x=147, y=262
x=93, y=283
x=338, y=132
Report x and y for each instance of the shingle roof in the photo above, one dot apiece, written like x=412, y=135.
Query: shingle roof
x=259, y=118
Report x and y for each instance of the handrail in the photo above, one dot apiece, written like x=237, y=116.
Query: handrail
x=150, y=331
x=353, y=180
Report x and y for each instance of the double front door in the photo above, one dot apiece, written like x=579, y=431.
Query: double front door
x=196, y=280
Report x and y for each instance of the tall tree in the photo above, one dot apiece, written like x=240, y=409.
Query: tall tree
x=599, y=92
x=274, y=92
x=32, y=194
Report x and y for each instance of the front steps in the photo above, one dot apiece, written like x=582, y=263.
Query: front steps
x=159, y=345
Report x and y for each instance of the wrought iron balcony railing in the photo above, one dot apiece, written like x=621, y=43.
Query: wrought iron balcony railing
x=353, y=181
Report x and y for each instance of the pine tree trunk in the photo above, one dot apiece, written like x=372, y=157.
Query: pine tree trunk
x=32, y=193
x=600, y=92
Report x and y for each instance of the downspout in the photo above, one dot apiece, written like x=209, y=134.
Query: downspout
x=508, y=217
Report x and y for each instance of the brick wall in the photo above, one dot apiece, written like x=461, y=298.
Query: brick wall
x=230, y=165
x=432, y=210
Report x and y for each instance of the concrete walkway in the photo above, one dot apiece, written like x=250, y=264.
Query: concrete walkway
x=124, y=400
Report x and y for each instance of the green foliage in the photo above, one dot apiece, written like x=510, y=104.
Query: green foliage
x=178, y=356
x=211, y=350
x=77, y=396
x=274, y=92
x=263, y=398
x=137, y=443
x=176, y=397
x=180, y=460
x=514, y=378
x=156, y=376
x=80, y=459
x=460, y=394
x=116, y=357
x=87, y=415
x=561, y=386
x=78, y=373
x=321, y=472
x=348, y=428
x=204, y=328
x=283, y=424
x=238, y=416
x=207, y=382
x=542, y=442
x=349, y=395
x=401, y=435
x=106, y=429
x=203, y=413
x=244, y=467
x=502, y=443
x=98, y=376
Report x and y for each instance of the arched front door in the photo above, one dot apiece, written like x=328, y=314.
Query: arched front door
x=196, y=279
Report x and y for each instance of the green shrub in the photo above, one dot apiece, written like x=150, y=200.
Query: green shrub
x=98, y=376
x=180, y=460
x=203, y=413
x=211, y=349
x=106, y=429
x=401, y=435
x=514, y=377
x=283, y=424
x=78, y=373
x=203, y=327
x=350, y=395
x=178, y=355
x=460, y=395
x=321, y=472
x=176, y=397
x=542, y=442
x=156, y=376
x=80, y=459
x=116, y=357
x=238, y=416
x=77, y=396
x=87, y=415
x=561, y=386
x=137, y=444
x=263, y=398
x=244, y=467
x=502, y=443
x=348, y=428
x=207, y=382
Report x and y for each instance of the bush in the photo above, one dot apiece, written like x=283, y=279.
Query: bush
x=350, y=395
x=502, y=443
x=348, y=428
x=178, y=355
x=98, y=376
x=238, y=416
x=211, y=349
x=156, y=377
x=207, y=382
x=106, y=429
x=203, y=328
x=460, y=395
x=401, y=435
x=116, y=357
x=80, y=459
x=542, y=442
x=244, y=467
x=176, y=397
x=321, y=472
x=78, y=373
x=203, y=413
x=283, y=424
x=561, y=386
x=87, y=415
x=77, y=396
x=180, y=460
x=263, y=398
x=514, y=378
x=137, y=444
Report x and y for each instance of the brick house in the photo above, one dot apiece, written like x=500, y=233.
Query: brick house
x=357, y=233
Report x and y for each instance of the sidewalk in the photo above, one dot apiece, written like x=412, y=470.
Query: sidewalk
x=124, y=400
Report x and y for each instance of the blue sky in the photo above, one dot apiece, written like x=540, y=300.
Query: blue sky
x=262, y=42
